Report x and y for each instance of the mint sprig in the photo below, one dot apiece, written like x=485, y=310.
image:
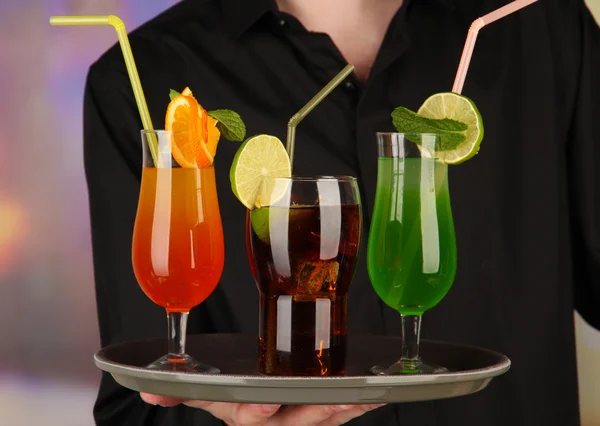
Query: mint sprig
x=229, y=122
x=450, y=133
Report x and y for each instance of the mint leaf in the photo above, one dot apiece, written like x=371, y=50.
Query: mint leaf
x=173, y=94
x=451, y=133
x=230, y=124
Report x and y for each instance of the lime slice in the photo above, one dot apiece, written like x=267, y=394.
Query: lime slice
x=459, y=108
x=256, y=165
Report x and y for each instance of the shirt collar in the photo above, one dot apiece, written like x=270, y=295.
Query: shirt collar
x=241, y=15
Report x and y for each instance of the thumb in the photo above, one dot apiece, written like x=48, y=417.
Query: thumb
x=164, y=401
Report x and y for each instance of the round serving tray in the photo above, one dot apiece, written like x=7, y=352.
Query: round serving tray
x=470, y=370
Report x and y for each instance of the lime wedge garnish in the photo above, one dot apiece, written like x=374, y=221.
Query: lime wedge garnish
x=458, y=108
x=256, y=165
x=259, y=219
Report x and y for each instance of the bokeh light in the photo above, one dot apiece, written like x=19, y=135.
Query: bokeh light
x=12, y=231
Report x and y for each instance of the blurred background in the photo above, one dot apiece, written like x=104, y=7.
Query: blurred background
x=47, y=304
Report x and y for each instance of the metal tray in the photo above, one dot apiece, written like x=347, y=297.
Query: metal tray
x=471, y=370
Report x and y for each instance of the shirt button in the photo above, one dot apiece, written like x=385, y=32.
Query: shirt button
x=348, y=85
x=282, y=23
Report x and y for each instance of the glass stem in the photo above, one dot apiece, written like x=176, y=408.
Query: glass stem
x=177, y=322
x=411, y=330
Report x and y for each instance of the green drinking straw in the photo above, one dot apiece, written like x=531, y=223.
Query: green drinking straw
x=140, y=99
x=299, y=116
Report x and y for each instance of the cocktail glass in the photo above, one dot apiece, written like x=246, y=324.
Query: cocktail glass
x=178, y=249
x=303, y=249
x=411, y=254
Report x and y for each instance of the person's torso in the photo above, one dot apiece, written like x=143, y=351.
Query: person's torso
x=512, y=291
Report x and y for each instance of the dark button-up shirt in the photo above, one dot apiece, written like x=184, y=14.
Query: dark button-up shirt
x=526, y=208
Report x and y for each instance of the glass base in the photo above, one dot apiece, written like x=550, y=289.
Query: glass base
x=407, y=367
x=182, y=363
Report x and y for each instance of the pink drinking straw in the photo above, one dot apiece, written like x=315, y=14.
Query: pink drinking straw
x=478, y=24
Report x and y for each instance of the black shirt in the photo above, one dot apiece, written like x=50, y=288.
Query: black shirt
x=526, y=208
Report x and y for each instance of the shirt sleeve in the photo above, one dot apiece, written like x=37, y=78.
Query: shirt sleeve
x=584, y=172
x=112, y=159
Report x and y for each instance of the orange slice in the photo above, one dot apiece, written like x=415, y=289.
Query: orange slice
x=208, y=129
x=213, y=135
x=187, y=120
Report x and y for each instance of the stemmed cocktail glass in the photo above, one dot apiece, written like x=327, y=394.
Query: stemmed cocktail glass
x=412, y=247
x=178, y=249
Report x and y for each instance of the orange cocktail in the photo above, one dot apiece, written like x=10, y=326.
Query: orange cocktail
x=178, y=249
x=178, y=238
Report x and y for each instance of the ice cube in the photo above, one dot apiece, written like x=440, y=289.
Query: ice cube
x=316, y=276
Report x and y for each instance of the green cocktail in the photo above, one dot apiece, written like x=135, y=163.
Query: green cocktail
x=411, y=255
x=412, y=247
